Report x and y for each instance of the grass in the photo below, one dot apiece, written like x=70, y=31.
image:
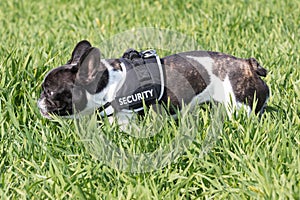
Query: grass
x=252, y=158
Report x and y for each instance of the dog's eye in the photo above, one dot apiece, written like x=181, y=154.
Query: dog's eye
x=49, y=93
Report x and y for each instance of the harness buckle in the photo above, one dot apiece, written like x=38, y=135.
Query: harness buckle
x=148, y=53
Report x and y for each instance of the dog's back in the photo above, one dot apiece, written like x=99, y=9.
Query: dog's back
x=189, y=74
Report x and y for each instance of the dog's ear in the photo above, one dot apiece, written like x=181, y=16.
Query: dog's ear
x=88, y=67
x=79, y=50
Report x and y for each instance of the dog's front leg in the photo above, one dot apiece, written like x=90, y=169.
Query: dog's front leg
x=122, y=117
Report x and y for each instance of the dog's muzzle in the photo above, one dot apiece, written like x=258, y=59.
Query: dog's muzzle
x=43, y=108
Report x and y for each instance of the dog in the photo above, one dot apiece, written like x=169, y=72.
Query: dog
x=87, y=83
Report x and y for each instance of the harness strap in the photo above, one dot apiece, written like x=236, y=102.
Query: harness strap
x=106, y=110
x=144, y=83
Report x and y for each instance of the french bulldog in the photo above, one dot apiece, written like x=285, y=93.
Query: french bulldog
x=88, y=82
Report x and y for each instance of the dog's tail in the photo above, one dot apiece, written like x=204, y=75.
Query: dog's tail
x=257, y=68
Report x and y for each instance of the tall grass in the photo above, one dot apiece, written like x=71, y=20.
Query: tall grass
x=251, y=159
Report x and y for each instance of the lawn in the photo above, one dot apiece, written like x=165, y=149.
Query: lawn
x=243, y=158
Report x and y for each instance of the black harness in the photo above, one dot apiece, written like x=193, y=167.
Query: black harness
x=144, y=83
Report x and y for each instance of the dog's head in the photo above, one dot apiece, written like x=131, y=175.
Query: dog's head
x=66, y=89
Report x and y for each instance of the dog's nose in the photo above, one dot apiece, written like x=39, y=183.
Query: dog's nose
x=43, y=108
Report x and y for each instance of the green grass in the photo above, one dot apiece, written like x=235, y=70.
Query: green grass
x=252, y=158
